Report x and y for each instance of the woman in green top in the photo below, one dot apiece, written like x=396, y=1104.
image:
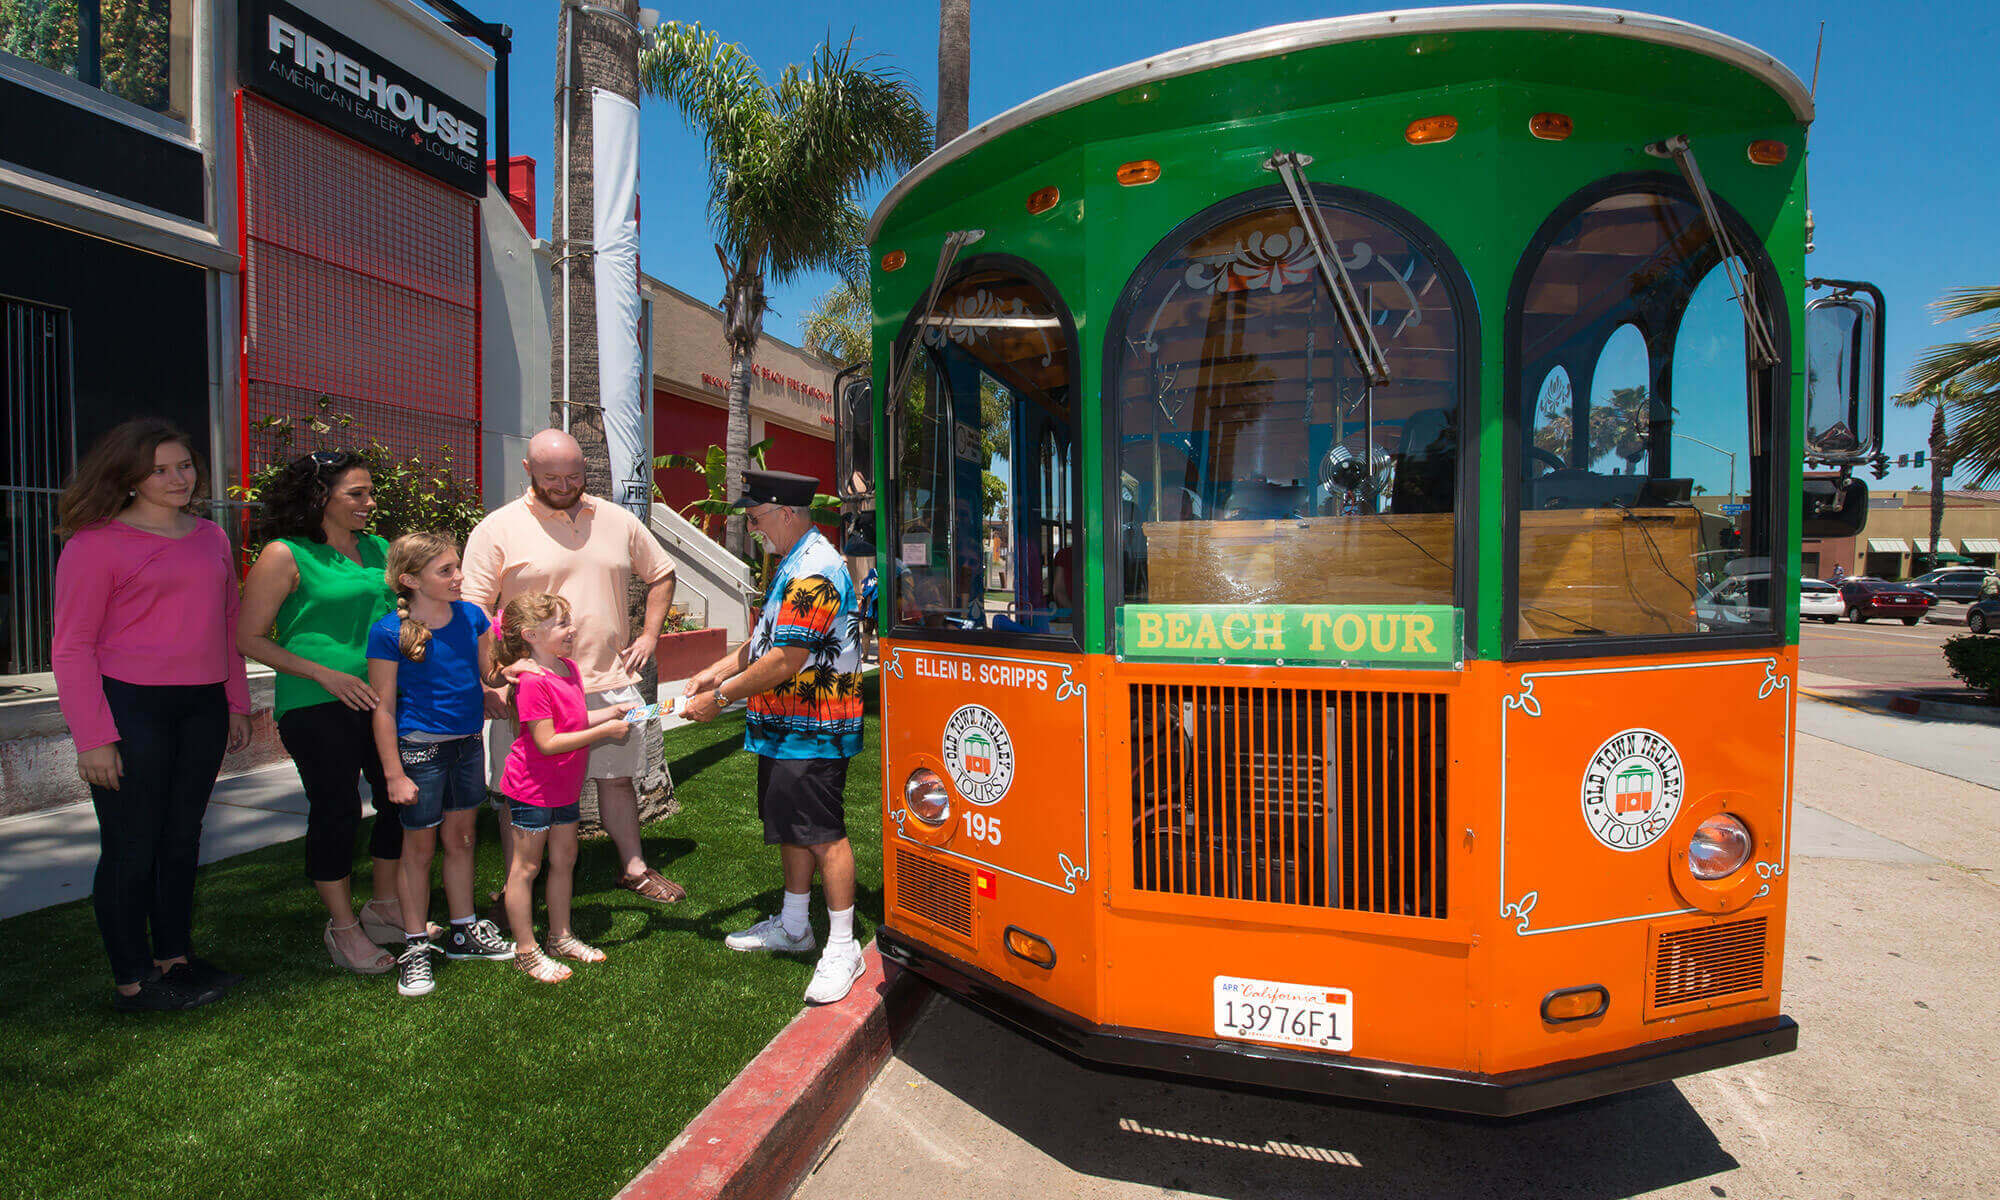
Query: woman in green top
x=307, y=606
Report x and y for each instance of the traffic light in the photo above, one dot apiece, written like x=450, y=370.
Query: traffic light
x=1879, y=466
x=1917, y=459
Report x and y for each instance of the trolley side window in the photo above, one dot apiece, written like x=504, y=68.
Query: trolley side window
x=984, y=483
x=1257, y=465
x=1644, y=506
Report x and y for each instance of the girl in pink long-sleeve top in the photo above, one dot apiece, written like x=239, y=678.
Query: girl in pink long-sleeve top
x=154, y=692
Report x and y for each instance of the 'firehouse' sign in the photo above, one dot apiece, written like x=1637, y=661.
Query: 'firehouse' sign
x=305, y=65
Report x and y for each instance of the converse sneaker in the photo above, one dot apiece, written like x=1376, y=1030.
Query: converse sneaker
x=838, y=968
x=413, y=969
x=481, y=939
x=769, y=934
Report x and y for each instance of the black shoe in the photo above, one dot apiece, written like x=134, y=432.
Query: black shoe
x=200, y=973
x=481, y=939
x=163, y=993
x=413, y=977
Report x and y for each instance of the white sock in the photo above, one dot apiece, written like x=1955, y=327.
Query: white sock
x=793, y=919
x=842, y=933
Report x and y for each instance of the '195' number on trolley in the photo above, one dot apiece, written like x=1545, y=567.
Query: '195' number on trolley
x=983, y=828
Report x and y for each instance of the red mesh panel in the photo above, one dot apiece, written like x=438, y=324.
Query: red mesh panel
x=362, y=283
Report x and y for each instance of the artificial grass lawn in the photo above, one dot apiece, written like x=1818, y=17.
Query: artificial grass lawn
x=308, y=1081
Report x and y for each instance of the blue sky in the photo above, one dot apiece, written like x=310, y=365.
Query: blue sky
x=1902, y=172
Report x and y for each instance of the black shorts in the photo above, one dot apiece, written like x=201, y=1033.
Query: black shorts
x=801, y=800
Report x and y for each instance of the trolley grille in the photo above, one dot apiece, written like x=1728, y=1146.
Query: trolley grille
x=1330, y=799
x=1709, y=962
x=938, y=893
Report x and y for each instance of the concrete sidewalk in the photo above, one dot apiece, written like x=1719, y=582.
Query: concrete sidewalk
x=49, y=857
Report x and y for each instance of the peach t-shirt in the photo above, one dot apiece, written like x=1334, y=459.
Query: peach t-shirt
x=586, y=555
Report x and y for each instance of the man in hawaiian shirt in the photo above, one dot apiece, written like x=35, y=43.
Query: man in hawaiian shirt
x=801, y=672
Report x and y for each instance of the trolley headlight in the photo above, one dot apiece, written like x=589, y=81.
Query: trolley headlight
x=1719, y=848
x=926, y=796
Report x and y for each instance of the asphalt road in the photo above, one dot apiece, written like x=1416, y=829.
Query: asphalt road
x=1889, y=970
x=1880, y=652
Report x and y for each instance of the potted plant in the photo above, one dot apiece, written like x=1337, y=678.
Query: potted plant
x=686, y=645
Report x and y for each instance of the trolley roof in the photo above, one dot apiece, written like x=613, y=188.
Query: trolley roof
x=1308, y=35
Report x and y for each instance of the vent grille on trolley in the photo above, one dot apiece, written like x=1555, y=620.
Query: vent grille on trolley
x=938, y=893
x=1327, y=799
x=1708, y=963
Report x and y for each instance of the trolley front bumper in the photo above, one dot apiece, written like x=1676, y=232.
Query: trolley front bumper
x=1508, y=1094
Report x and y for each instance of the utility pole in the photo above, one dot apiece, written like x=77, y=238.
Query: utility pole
x=597, y=46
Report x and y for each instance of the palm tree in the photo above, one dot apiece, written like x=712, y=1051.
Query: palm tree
x=837, y=324
x=1973, y=366
x=954, y=67
x=785, y=165
x=1938, y=396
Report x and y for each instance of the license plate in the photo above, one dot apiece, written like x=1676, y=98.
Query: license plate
x=1295, y=1014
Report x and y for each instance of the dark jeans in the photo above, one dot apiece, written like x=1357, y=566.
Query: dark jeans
x=170, y=743
x=333, y=747
x=450, y=777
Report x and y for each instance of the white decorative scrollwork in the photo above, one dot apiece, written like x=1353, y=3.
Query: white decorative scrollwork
x=1773, y=682
x=1259, y=262
x=1526, y=702
x=895, y=664
x=1071, y=872
x=1520, y=909
x=1067, y=687
x=971, y=318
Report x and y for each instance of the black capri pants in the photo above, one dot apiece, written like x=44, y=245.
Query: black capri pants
x=334, y=748
x=170, y=743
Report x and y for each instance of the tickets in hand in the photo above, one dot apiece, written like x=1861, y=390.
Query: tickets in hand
x=645, y=712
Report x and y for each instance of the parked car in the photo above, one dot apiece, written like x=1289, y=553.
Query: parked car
x=1727, y=606
x=1984, y=615
x=1862, y=599
x=1953, y=583
x=1820, y=600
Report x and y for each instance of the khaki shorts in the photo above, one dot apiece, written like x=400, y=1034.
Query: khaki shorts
x=622, y=759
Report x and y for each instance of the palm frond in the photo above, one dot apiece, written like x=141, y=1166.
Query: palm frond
x=1964, y=377
x=837, y=324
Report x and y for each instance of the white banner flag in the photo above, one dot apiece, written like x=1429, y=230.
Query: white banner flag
x=615, y=221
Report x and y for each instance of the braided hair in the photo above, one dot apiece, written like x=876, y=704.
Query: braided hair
x=409, y=555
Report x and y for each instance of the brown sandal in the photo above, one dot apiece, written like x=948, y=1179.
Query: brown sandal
x=653, y=886
x=539, y=967
x=575, y=949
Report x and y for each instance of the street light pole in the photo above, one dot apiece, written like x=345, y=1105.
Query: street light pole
x=1719, y=450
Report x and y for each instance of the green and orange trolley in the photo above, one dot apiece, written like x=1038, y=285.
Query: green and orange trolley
x=1337, y=491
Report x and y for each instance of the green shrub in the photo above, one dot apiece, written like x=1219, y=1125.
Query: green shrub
x=1975, y=658
x=410, y=493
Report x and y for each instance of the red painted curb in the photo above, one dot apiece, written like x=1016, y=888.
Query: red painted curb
x=761, y=1136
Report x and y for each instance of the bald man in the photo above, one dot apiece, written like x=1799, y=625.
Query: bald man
x=559, y=539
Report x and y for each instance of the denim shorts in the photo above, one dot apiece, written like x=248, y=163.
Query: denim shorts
x=450, y=777
x=536, y=817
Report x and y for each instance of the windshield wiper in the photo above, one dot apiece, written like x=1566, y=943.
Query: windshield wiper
x=956, y=240
x=1347, y=304
x=1763, y=349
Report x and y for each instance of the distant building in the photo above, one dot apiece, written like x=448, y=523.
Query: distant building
x=1896, y=542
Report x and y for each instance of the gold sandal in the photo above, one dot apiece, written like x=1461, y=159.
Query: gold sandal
x=539, y=967
x=382, y=964
x=575, y=949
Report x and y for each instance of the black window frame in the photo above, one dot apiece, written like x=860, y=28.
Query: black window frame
x=1465, y=312
x=1774, y=382
x=889, y=500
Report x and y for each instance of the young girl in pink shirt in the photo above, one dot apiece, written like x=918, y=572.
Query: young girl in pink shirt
x=544, y=774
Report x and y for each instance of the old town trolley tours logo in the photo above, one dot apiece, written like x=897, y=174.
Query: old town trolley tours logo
x=1632, y=789
x=979, y=753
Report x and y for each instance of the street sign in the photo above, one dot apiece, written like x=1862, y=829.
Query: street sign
x=1732, y=510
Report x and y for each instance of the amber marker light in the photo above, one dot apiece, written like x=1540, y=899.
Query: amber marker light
x=1551, y=127
x=1022, y=944
x=1768, y=153
x=1428, y=131
x=1144, y=170
x=1042, y=200
x=894, y=260
x=1576, y=1004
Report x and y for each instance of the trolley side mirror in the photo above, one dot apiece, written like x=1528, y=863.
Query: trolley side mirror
x=854, y=432
x=1833, y=506
x=1844, y=373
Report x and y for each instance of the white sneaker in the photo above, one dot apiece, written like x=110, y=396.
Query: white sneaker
x=834, y=976
x=769, y=934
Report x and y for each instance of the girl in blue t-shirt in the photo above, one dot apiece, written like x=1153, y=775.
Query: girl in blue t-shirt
x=430, y=654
